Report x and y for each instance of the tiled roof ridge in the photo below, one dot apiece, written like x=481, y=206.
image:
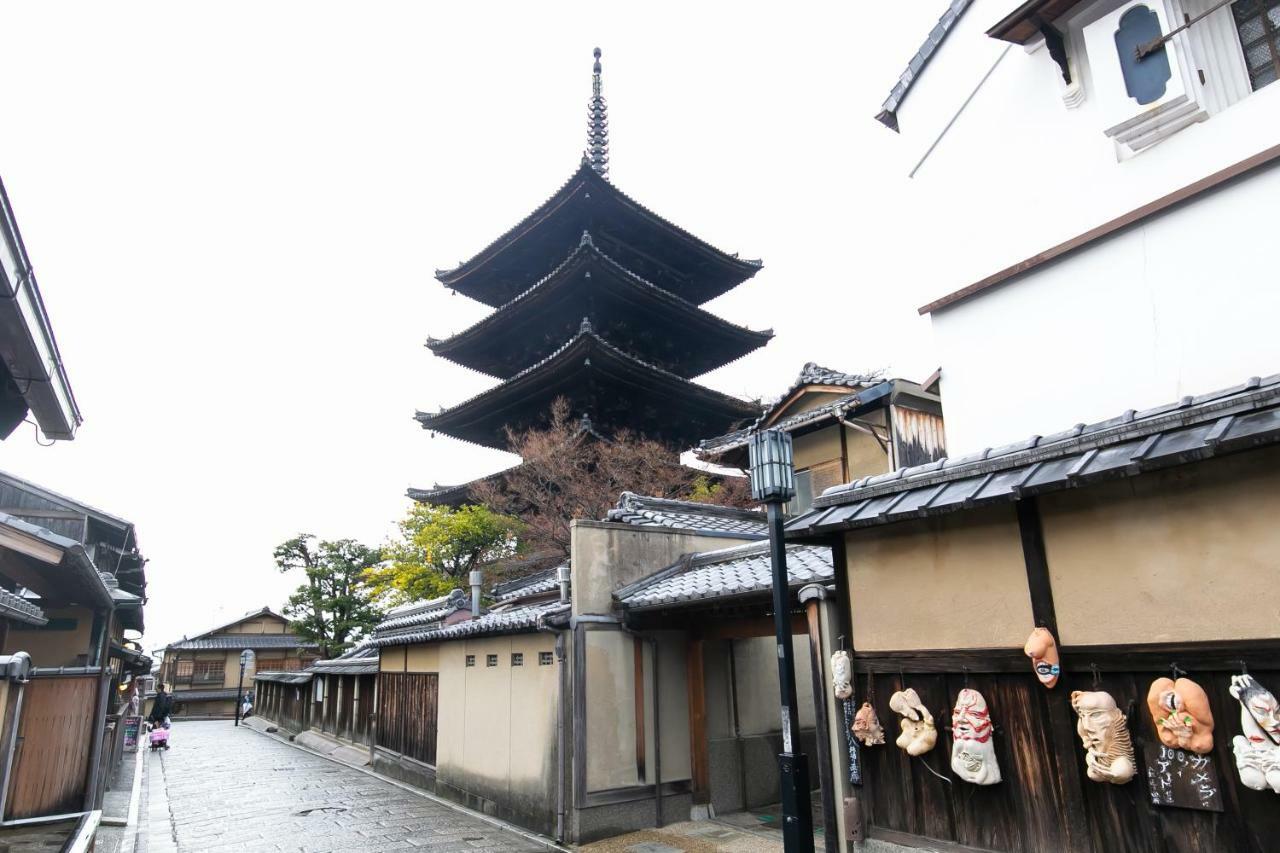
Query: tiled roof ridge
x=409, y=608
x=636, y=502
x=583, y=333
x=505, y=620
x=1187, y=411
x=888, y=115
x=585, y=170
x=507, y=590
x=586, y=247
x=17, y=607
x=726, y=573
x=259, y=612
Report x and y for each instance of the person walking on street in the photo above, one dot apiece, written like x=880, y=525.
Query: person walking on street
x=162, y=707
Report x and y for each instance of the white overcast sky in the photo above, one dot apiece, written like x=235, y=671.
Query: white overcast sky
x=234, y=212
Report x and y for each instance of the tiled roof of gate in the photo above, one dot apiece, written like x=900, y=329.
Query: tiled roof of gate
x=422, y=613
x=204, y=695
x=729, y=572
x=283, y=677
x=643, y=511
x=514, y=620
x=242, y=641
x=1189, y=430
x=362, y=660
x=534, y=584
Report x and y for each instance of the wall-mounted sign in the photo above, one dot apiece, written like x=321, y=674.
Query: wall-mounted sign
x=1180, y=779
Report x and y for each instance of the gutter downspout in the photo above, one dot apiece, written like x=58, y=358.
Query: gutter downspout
x=477, y=578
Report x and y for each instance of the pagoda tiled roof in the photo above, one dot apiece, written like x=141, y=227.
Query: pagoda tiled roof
x=623, y=307
x=615, y=388
x=690, y=267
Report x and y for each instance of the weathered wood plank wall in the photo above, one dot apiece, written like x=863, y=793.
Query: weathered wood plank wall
x=408, y=705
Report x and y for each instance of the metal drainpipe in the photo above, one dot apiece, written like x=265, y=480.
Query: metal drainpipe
x=476, y=579
x=560, y=735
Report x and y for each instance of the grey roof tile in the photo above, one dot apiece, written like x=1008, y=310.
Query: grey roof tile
x=537, y=583
x=737, y=571
x=243, y=641
x=512, y=620
x=284, y=677
x=18, y=609
x=421, y=613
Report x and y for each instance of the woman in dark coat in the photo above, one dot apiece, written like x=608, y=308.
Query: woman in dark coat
x=162, y=707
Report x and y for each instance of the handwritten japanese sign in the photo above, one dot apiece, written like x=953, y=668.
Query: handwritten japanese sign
x=1180, y=779
x=855, y=759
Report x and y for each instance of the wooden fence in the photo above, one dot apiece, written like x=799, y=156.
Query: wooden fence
x=408, y=704
x=55, y=734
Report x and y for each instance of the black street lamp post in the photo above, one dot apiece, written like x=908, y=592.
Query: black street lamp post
x=773, y=483
x=246, y=658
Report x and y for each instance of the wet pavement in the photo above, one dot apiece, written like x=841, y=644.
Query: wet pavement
x=222, y=788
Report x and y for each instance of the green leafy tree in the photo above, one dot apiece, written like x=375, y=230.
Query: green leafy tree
x=437, y=549
x=334, y=608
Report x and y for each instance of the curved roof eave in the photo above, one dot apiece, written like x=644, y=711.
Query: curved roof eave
x=579, y=179
x=586, y=251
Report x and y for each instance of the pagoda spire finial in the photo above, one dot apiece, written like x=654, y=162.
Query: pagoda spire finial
x=597, y=124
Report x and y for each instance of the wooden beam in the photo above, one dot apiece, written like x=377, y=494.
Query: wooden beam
x=699, y=755
x=1120, y=223
x=745, y=629
x=1062, y=725
x=826, y=780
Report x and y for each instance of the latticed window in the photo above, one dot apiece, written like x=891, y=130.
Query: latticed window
x=544, y=659
x=184, y=669
x=208, y=670
x=1258, y=22
x=270, y=664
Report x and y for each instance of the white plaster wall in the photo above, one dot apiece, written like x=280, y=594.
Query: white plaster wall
x=1183, y=304
x=1176, y=307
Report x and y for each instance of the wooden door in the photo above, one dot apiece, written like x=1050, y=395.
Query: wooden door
x=55, y=734
x=408, y=704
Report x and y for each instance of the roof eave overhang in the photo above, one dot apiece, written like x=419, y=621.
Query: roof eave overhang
x=27, y=344
x=1023, y=25
x=469, y=347
x=461, y=420
x=585, y=178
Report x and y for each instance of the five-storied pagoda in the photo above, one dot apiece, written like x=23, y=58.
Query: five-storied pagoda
x=596, y=300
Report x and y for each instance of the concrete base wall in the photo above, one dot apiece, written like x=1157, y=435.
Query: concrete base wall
x=604, y=821
x=744, y=771
x=404, y=769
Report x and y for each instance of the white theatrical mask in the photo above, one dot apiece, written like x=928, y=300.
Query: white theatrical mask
x=842, y=675
x=918, y=732
x=973, y=752
x=1258, y=749
x=1108, y=749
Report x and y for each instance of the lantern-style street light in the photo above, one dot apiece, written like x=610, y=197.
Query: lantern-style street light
x=246, y=659
x=773, y=484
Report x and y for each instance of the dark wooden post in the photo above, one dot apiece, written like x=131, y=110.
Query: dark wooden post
x=855, y=814
x=699, y=758
x=1066, y=746
x=812, y=597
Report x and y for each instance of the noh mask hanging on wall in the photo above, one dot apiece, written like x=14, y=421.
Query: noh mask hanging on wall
x=1181, y=713
x=918, y=732
x=866, y=726
x=973, y=752
x=842, y=675
x=1043, y=651
x=1258, y=749
x=1108, y=750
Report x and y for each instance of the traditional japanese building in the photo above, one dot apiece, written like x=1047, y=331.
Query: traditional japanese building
x=598, y=301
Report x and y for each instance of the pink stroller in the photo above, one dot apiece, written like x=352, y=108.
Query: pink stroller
x=159, y=737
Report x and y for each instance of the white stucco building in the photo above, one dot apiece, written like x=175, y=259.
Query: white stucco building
x=1098, y=230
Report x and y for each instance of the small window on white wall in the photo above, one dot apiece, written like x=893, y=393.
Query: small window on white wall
x=1142, y=100
x=1258, y=25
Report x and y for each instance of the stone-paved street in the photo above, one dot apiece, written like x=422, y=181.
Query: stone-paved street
x=221, y=788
